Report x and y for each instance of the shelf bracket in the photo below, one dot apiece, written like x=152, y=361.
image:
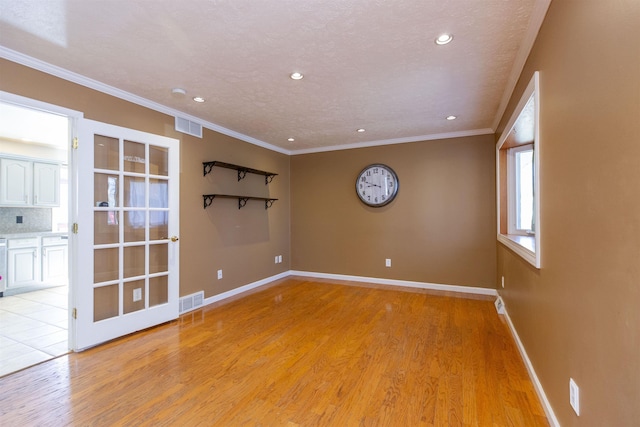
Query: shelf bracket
x=268, y=178
x=208, y=167
x=268, y=203
x=208, y=200
x=242, y=201
x=241, y=174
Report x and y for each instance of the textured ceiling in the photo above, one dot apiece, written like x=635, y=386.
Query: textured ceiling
x=369, y=64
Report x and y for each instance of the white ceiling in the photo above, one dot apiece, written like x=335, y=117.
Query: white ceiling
x=369, y=64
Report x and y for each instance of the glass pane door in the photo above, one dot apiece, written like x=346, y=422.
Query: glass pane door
x=132, y=210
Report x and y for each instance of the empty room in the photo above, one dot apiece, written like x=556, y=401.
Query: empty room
x=306, y=213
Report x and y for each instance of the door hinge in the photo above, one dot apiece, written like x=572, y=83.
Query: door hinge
x=74, y=144
x=75, y=313
x=74, y=229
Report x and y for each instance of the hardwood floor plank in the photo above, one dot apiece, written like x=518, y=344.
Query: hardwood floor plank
x=296, y=353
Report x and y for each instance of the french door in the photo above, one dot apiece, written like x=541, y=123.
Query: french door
x=126, y=275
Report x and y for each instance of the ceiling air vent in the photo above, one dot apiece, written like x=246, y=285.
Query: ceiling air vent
x=188, y=127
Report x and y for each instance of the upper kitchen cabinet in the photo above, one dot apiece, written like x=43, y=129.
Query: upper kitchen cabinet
x=46, y=184
x=29, y=183
x=15, y=182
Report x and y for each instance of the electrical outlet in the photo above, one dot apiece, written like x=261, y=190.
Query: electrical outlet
x=387, y=262
x=279, y=259
x=276, y=260
x=137, y=294
x=574, y=396
x=503, y=281
x=19, y=219
x=219, y=274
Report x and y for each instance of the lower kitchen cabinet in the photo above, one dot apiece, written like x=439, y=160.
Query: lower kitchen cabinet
x=23, y=264
x=36, y=260
x=54, y=260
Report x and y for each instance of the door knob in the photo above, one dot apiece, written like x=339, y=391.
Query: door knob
x=174, y=238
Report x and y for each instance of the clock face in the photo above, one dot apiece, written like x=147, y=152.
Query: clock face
x=377, y=185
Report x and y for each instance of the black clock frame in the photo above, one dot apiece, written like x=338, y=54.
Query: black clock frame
x=393, y=195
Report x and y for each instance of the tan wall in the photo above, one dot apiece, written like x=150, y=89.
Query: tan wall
x=579, y=315
x=243, y=243
x=439, y=229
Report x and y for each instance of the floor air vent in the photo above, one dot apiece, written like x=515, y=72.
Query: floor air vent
x=189, y=127
x=191, y=302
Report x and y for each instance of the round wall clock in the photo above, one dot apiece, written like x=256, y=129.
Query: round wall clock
x=377, y=185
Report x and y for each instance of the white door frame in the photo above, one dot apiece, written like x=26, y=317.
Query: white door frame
x=73, y=116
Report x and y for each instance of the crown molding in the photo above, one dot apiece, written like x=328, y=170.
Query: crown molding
x=65, y=74
x=420, y=138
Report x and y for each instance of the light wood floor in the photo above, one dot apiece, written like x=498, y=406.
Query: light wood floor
x=299, y=353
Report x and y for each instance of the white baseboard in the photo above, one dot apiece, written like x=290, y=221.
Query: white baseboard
x=551, y=416
x=394, y=282
x=245, y=288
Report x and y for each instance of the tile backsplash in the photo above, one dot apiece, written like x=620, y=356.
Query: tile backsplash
x=33, y=220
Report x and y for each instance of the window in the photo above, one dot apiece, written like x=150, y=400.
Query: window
x=518, y=178
x=520, y=192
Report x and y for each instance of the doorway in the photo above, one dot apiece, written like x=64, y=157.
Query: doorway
x=34, y=217
x=123, y=202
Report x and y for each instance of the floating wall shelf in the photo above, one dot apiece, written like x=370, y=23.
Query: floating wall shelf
x=242, y=200
x=242, y=171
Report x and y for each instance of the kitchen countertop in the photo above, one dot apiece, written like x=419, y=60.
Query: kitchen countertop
x=33, y=234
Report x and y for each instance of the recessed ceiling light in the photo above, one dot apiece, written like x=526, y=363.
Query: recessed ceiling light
x=291, y=139
x=178, y=91
x=296, y=76
x=198, y=99
x=452, y=117
x=444, y=39
x=360, y=130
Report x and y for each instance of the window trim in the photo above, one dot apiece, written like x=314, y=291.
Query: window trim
x=526, y=246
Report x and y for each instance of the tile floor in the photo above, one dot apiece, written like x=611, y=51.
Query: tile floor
x=33, y=328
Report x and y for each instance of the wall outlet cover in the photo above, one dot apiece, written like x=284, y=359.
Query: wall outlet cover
x=219, y=274
x=387, y=262
x=499, y=305
x=574, y=396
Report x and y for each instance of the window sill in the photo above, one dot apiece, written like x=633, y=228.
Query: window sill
x=525, y=246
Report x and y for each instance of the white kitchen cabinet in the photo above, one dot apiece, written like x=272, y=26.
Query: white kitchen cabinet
x=54, y=260
x=23, y=261
x=16, y=182
x=46, y=184
x=29, y=183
